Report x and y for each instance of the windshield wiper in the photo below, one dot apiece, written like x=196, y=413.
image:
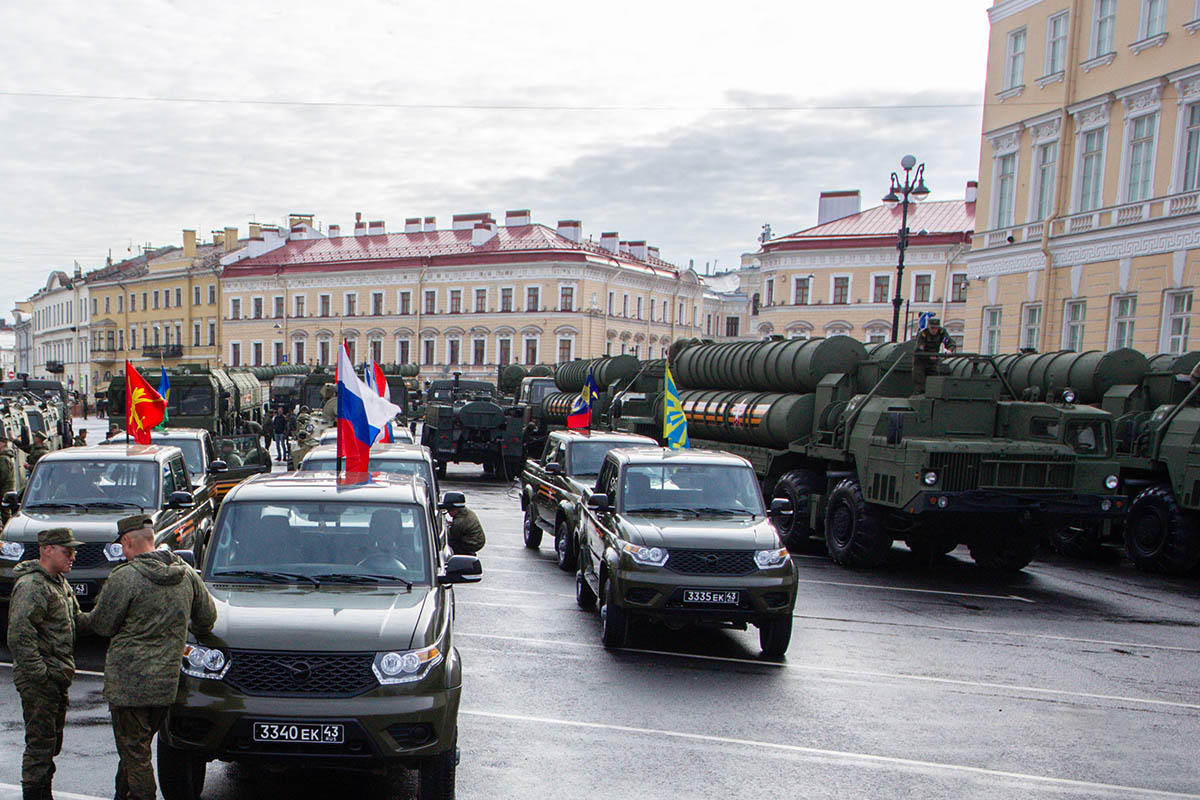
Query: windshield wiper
x=660, y=510
x=56, y=504
x=361, y=577
x=278, y=577
x=725, y=511
x=114, y=504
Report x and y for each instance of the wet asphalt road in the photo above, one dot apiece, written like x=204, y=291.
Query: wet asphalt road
x=915, y=680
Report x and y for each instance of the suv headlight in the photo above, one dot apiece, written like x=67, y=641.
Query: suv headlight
x=114, y=552
x=768, y=559
x=403, y=666
x=11, y=551
x=204, y=662
x=1111, y=482
x=929, y=477
x=647, y=556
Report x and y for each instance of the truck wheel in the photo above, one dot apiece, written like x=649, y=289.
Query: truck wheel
x=180, y=772
x=1004, y=547
x=614, y=622
x=1159, y=535
x=437, y=774
x=532, y=531
x=795, y=487
x=585, y=598
x=855, y=534
x=564, y=546
x=1075, y=541
x=774, y=634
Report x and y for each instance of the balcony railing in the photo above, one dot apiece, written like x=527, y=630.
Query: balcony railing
x=104, y=355
x=162, y=351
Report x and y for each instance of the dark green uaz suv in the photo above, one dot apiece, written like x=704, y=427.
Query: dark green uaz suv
x=334, y=642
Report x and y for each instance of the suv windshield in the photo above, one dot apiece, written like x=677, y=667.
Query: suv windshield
x=329, y=541
x=191, y=451
x=586, y=457
x=705, y=488
x=1088, y=437
x=391, y=466
x=96, y=482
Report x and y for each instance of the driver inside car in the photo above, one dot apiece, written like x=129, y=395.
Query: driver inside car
x=389, y=535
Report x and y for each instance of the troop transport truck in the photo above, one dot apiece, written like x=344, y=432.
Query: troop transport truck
x=218, y=400
x=465, y=421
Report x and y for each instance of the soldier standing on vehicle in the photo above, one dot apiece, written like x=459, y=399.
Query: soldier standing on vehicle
x=81, y=438
x=929, y=342
x=145, y=608
x=41, y=635
x=465, y=534
x=35, y=450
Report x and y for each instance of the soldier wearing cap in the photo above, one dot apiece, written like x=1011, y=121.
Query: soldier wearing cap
x=34, y=451
x=145, y=609
x=42, y=617
x=113, y=430
x=929, y=343
x=466, y=533
x=8, y=473
x=81, y=438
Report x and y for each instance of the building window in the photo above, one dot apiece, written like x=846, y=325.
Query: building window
x=610, y=303
x=280, y=358
x=195, y=334
x=456, y=301
x=277, y=303
x=235, y=308
x=1154, y=18
x=427, y=352
x=875, y=335
x=478, y=351
x=212, y=334
x=1124, y=309
x=298, y=352
x=922, y=288
x=1103, y=27
x=800, y=289
x=121, y=303
x=480, y=301
x=403, y=356
x=351, y=303
x=566, y=348
x=377, y=305
x=257, y=305
x=1056, y=43
x=195, y=295
x=841, y=291
x=1191, y=152
x=258, y=354
x=1047, y=169
x=1006, y=181
x=178, y=297
x=991, y=331
x=155, y=296
x=376, y=346
x=405, y=304
x=323, y=352
x=212, y=294
x=639, y=309
x=731, y=326
x=625, y=308
x=235, y=354
x=452, y=350
x=531, y=352
x=1074, y=316
x=770, y=293
x=506, y=299
x=504, y=352
x=958, y=287
x=879, y=288
x=1031, y=327
x=1092, y=173
x=566, y=298
x=1178, y=322
x=533, y=298
x=1014, y=71
x=298, y=302
x=323, y=306
x=430, y=301
x=1140, y=184
x=352, y=350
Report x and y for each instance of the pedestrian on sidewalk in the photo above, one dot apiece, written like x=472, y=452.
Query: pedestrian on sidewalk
x=279, y=425
x=41, y=636
x=145, y=609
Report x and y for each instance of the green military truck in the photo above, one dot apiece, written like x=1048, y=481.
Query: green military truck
x=466, y=422
x=838, y=434
x=218, y=400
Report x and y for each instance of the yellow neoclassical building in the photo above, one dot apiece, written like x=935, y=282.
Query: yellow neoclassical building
x=1088, y=219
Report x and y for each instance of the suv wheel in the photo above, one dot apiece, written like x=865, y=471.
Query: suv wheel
x=614, y=622
x=532, y=531
x=774, y=634
x=564, y=546
x=180, y=772
x=437, y=774
x=585, y=598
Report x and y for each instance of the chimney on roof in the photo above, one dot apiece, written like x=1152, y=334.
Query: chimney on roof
x=412, y=225
x=360, y=227
x=466, y=222
x=376, y=228
x=571, y=229
x=514, y=218
x=231, y=241
x=255, y=230
x=972, y=191
x=835, y=205
x=335, y=231
x=638, y=250
x=218, y=238
x=430, y=224
x=189, y=244
x=623, y=248
x=652, y=253
x=482, y=233
x=609, y=241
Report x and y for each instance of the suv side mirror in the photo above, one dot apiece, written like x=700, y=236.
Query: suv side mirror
x=218, y=466
x=780, y=505
x=452, y=499
x=180, y=499
x=188, y=557
x=598, y=502
x=11, y=500
x=554, y=468
x=462, y=569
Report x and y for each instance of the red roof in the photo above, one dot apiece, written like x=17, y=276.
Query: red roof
x=944, y=222
x=448, y=247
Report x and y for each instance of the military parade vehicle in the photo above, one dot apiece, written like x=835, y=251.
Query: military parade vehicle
x=334, y=640
x=400, y=435
x=393, y=459
x=552, y=485
x=466, y=422
x=88, y=489
x=682, y=537
x=218, y=400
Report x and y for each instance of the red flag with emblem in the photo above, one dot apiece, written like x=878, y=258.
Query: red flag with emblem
x=144, y=407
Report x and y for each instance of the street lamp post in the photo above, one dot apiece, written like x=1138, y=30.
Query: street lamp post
x=913, y=187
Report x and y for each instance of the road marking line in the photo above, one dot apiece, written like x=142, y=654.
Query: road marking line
x=57, y=793
x=530, y=559
x=77, y=672
x=487, y=569
x=519, y=591
x=861, y=673
x=911, y=763
x=919, y=591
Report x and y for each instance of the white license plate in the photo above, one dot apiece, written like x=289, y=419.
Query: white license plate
x=80, y=589
x=708, y=597
x=299, y=732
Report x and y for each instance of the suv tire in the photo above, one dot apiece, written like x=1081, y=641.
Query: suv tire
x=855, y=533
x=532, y=532
x=564, y=546
x=437, y=774
x=1159, y=536
x=180, y=772
x=614, y=622
x=774, y=635
x=585, y=598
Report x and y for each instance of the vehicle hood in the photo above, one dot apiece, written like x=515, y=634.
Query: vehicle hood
x=711, y=533
x=325, y=618
x=88, y=527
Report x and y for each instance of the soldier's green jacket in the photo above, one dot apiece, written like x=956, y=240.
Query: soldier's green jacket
x=42, y=615
x=145, y=608
x=34, y=453
x=466, y=534
x=7, y=473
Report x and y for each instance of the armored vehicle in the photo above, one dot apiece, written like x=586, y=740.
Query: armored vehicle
x=683, y=538
x=217, y=400
x=838, y=433
x=529, y=398
x=552, y=485
x=88, y=489
x=466, y=422
x=334, y=640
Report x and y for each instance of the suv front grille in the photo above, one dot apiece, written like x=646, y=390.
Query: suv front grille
x=87, y=556
x=711, y=562
x=281, y=673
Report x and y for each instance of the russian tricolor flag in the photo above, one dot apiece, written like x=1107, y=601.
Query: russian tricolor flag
x=362, y=414
x=378, y=383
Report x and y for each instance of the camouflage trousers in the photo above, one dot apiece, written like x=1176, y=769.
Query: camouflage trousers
x=133, y=728
x=45, y=710
x=922, y=369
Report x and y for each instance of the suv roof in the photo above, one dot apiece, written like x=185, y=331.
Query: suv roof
x=323, y=487
x=662, y=455
x=173, y=433
x=135, y=452
x=400, y=451
x=603, y=436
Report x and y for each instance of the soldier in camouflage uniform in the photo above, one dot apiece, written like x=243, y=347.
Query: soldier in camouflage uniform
x=41, y=635
x=145, y=608
x=929, y=341
x=81, y=438
x=466, y=533
x=8, y=473
x=35, y=451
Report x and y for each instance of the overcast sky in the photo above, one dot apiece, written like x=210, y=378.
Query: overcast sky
x=687, y=125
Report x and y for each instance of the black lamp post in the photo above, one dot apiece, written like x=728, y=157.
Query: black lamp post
x=913, y=189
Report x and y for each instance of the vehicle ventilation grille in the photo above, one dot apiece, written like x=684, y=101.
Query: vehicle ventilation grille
x=711, y=562
x=277, y=673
